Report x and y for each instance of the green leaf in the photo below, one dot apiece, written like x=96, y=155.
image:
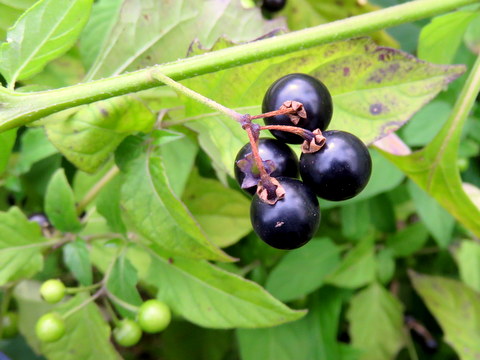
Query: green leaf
x=209, y=296
x=223, y=213
x=456, y=307
x=108, y=205
x=307, y=13
x=197, y=342
x=21, y=246
x=383, y=337
x=7, y=140
x=305, y=269
x=122, y=284
x=152, y=210
x=89, y=136
x=421, y=129
x=440, y=40
x=408, y=240
x=60, y=204
x=47, y=30
x=356, y=269
x=312, y=337
x=435, y=169
x=355, y=220
x=467, y=257
x=135, y=34
x=178, y=157
x=375, y=90
x=472, y=39
x=438, y=221
x=11, y=11
x=87, y=335
x=76, y=258
x=104, y=16
x=385, y=265
x=35, y=147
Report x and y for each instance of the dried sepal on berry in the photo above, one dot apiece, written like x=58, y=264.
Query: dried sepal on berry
x=315, y=144
x=270, y=191
x=299, y=113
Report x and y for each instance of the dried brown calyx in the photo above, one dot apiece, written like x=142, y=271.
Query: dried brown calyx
x=270, y=191
x=315, y=143
x=297, y=108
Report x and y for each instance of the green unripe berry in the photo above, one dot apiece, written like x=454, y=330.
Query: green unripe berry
x=9, y=325
x=127, y=333
x=50, y=327
x=154, y=316
x=52, y=291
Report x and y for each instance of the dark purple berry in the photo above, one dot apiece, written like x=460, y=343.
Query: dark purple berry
x=273, y=5
x=284, y=160
x=303, y=88
x=340, y=169
x=292, y=221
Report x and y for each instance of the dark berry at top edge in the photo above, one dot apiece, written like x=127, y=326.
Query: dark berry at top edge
x=311, y=92
x=273, y=5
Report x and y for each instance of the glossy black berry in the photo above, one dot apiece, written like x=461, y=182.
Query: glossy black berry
x=273, y=5
x=340, y=169
x=282, y=156
x=303, y=88
x=292, y=221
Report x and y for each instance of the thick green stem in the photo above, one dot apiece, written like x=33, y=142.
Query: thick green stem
x=18, y=109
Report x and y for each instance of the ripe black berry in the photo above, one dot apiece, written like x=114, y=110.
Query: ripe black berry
x=340, y=169
x=303, y=88
x=273, y=5
x=283, y=158
x=292, y=221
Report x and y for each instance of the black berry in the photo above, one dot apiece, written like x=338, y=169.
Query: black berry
x=303, y=88
x=273, y=5
x=292, y=221
x=284, y=160
x=340, y=169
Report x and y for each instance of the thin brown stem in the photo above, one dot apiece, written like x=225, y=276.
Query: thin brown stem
x=274, y=113
x=304, y=133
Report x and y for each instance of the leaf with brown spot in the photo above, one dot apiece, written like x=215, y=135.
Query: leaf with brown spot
x=375, y=90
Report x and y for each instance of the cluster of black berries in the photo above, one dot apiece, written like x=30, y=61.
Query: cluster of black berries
x=337, y=166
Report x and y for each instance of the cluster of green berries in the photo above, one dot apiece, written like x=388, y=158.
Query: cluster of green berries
x=153, y=316
x=338, y=170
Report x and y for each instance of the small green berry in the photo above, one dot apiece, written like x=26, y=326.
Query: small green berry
x=154, y=316
x=127, y=333
x=50, y=327
x=52, y=291
x=9, y=325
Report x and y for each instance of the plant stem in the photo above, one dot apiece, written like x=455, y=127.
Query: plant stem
x=196, y=96
x=304, y=133
x=93, y=192
x=82, y=288
x=464, y=104
x=94, y=297
x=40, y=104
x=122, y=303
